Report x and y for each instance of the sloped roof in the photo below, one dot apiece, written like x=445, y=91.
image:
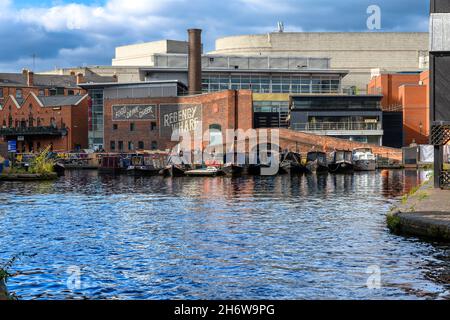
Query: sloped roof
x=48, y=81
x=58, y=101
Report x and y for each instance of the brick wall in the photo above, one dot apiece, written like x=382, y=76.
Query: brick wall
x=304, y=142
x=415, y=114
x=73, y=117
x=217, y=108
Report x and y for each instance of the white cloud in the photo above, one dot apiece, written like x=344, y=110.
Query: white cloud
x=269, y=6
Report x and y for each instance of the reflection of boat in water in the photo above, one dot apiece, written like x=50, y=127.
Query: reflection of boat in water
x=208, y=172
x=364, y=160
x=291, y=163
x=316, y=161
x=341, y=161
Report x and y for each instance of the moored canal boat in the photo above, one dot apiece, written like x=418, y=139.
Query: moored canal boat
x=291, y=163
x=208, y=172
x=364, y=160
x=176, y=166
x=316, y=161
x=111, y=164
x=231, y=169
x=341, y=161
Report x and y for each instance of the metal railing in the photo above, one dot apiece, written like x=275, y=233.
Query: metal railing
x=28, y=131
x=337, y=126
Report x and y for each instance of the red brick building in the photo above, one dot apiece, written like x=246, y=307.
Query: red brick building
x=409, y=94
x=36, y=122
x=147, y=123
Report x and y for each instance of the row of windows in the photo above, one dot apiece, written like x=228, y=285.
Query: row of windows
x=272, y=84
x=31, y=122
x=41, y=92
x=131, y=146
x=153, y=126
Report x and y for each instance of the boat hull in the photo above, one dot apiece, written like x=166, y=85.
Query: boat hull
x=365, y=165
x=342, y=167
x=173, y=171
x=316, y=166
x=144, y=171
x=233, y=170
x=204, y=173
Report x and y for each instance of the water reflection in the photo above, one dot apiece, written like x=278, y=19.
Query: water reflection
x=288, y=237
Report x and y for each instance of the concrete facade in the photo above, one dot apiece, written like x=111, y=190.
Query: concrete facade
x=356, y=52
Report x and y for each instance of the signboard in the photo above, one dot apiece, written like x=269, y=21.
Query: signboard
x=184, y=117
x=134, y=112
x=12, y=146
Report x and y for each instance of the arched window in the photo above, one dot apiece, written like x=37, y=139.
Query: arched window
x=215, y=134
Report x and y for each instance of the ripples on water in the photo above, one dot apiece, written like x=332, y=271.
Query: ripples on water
x=309, y=237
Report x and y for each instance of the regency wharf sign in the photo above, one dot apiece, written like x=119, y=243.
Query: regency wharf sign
x=134, y=112
x=182, y=117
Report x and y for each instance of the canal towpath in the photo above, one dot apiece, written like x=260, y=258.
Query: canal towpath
x=425, y=212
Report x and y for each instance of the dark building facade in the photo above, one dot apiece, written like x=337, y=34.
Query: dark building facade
x=439, y=87
x=356, y=118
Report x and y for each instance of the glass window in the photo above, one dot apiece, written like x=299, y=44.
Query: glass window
x=19, y=93
x=113, y=145
x=130, y=145
x=141, y=145
x=115, y=126
x=120, y=145
x=132, y=126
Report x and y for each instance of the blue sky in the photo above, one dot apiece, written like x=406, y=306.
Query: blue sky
x=65, y=33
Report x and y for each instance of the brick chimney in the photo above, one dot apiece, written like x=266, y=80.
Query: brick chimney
x=80, y=78
x=29, y=75
x=195, y=61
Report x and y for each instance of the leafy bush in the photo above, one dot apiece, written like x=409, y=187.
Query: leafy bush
x=42, y=164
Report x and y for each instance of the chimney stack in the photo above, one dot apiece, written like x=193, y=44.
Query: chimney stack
x=29, y=76
x=195, y=61
x=80, y=78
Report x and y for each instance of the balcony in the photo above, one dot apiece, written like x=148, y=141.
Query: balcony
x=340, y=128
x=33, y=131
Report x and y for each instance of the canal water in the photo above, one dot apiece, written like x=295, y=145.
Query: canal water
x=87, y=236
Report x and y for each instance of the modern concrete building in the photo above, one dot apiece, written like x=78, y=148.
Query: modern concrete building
x=356, y=52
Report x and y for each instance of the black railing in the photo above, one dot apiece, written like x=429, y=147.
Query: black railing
x=30, y=131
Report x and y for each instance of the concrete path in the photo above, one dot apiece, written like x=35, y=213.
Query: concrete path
x=425, y=213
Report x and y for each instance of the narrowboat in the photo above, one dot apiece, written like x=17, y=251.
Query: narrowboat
x=208, y=172
x=316, y=161
x=176, y=167
x=231, y=169
x=291, y=163
x=341, y=161
x=364, y=160
x=111, y=164
x=143, y=166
